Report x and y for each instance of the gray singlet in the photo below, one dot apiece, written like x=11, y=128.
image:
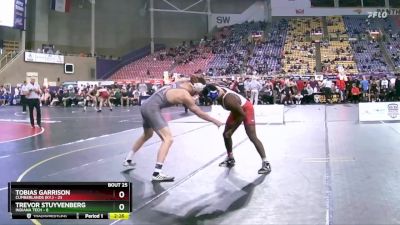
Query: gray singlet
x=151, y=108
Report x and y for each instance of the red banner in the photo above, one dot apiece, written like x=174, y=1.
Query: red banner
x=397, y=19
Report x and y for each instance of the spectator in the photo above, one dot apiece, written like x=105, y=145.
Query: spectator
x=24, y=90
x=365, y=88
x=397, y=87
x=33, y=96
x=355, y=93
x=45, y=98
x=124, y=97
x=3, y=95
x=254, y=87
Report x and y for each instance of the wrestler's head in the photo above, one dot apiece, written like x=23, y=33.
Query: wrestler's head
x=211, y=92
x=198, y=83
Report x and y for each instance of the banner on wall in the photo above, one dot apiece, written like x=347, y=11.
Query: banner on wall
x=397, y=20
x=43, y=58
x=61, y=5
x=255, y=12
x=379, y=111
x=300, y=11
x=19, y=14
x=12, y=13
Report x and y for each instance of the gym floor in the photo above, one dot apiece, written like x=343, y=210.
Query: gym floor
x=327, y=168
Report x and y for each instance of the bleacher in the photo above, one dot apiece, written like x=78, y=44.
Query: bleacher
x=287, y=47
x=369, y=56
x=139, y=69
x=367, y=52
x=393, y=48
x=338, y=50
x=197, y=64
x=336, y=28
x=270, y=53
x=336, y=53
x=392, y=40
x=300, y=52
x=10, y=46
x=233, y=51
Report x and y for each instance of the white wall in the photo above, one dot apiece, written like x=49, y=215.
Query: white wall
x=295, y=7
x=230, y=6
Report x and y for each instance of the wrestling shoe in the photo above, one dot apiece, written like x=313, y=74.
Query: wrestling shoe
x=265, y=169
x=228, y=162
x=128, y=163
x=162, y=178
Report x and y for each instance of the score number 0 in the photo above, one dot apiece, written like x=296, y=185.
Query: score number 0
x=121, y=206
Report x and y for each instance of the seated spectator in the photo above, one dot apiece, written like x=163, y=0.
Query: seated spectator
x=298, y=98
x=4, y=96
x=116, y=97
x=124, y=97
x=69, y=98
x=266, y=94
x=307, y=94
x=17, y=96
x=58, y=96
x=45, y=97
x=135, y=96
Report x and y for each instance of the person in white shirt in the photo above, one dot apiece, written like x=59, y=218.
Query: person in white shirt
x=135, y=96
x=392, y=82
x=33, y=99
x=385, y=83
x=255, y=88
x=16, y=95
x=143, y=89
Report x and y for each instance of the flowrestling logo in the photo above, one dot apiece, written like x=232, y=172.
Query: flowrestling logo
x=383, y=13
x=393, y=110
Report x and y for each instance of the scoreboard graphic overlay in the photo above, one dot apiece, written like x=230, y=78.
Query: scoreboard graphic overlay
x=70, y=200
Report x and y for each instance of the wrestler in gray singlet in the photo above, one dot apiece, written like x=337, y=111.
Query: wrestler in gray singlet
x=151, y=108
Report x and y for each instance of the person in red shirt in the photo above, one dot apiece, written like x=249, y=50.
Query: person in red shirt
x=342, y=87
x=355, y=93
x=300, y=85
x=104, y=96
x=233, y=86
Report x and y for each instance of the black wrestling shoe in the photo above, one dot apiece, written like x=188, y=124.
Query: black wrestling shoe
x=228, y=162
x=265, y=169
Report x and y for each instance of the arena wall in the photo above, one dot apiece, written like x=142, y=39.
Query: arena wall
x=120, y=26
x=7, y=33
x=16, y=71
